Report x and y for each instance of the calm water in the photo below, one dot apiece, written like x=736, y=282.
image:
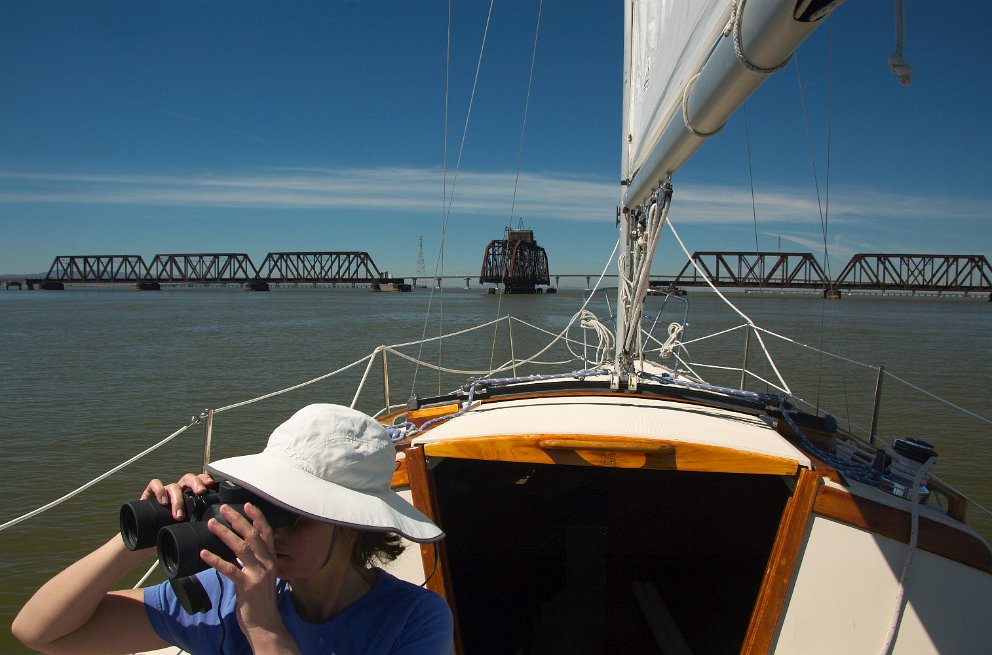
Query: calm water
x=89, y=378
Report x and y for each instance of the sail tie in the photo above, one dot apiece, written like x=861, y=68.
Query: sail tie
x=737, y=18
x=685, y=111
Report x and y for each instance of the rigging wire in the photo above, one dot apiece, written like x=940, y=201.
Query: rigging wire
x=448, y=198
x=750, y=177
x=520, y=155
x=727, y=301
x=523, y=129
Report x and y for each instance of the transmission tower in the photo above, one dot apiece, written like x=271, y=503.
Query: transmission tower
x=421, y=268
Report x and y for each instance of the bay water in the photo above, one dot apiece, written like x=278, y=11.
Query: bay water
x=91, y=377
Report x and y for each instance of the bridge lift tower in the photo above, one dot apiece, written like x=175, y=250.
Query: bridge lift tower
x=516, y=262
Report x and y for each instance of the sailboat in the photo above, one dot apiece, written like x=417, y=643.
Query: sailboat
x=630, y=506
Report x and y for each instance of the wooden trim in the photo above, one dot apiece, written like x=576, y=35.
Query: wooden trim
x=435, y=554
x=934, y=537
x=401, y=478
x=611, y=451
x=420, y=416
x=781, y=565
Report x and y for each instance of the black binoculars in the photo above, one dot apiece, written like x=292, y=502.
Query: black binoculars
x=145, y=523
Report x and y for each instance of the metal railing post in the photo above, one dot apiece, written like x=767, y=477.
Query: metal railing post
x=385, y=379
x=877, y=405
x=747, y=344
x=208, y=433
x=513, y=356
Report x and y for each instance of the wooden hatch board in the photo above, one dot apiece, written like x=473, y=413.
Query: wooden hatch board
x=610, y=451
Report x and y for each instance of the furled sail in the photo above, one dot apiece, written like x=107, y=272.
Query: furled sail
x=689, y=64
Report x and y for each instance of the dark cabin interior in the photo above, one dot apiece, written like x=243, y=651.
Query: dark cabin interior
x=543, y=558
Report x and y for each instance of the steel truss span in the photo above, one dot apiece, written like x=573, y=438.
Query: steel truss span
x=867, y=272
x=203, y=268
x=207, y=267
x=319, y=267
x=97, y=268
x=917, y=273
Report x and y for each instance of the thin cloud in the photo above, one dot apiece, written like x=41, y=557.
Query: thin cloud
x=552, y=196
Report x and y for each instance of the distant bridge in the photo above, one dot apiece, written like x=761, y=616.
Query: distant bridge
x=746, y=270
x=216, y=268
x=865, y=272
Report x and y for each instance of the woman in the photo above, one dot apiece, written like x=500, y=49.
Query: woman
x=306, y=587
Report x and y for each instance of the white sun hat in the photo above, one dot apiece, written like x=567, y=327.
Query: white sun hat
x=334, y=464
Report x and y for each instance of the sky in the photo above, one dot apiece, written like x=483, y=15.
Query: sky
x=146, y=127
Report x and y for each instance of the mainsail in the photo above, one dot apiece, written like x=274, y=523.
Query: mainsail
x=689, y=64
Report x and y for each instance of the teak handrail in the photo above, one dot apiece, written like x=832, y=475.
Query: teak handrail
x=651, y=447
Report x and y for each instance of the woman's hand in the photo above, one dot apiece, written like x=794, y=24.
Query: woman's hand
x=251, y=541
x=172, y=494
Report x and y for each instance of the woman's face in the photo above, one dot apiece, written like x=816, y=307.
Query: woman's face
x=303, y=548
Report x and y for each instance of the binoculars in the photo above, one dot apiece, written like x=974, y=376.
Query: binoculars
x=146, y=523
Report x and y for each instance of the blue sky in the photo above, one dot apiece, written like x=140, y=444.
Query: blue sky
x=144, y=127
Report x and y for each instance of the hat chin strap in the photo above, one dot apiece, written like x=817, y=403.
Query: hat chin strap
x=334, y=541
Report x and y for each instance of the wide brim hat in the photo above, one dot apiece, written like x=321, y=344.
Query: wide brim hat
x=333, y=464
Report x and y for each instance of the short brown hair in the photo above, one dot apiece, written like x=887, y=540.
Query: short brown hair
x=371, y=548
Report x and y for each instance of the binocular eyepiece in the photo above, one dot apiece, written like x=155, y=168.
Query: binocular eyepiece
x=145, y=523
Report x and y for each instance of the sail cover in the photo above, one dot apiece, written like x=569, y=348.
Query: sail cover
x=666, y=44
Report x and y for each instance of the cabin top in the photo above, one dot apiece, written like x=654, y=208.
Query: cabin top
x=674, y=422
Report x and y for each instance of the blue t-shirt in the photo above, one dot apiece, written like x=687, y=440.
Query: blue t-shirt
x=393, y=617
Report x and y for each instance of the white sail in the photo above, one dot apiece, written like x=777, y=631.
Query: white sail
x=689, y=64
x=667, y=43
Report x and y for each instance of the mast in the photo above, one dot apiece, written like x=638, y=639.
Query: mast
x=686, y=71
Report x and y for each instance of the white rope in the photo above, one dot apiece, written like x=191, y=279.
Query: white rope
x=294, y=387
x=739, y=47
x=667, y=348
x=100, y=478
x=764, y=348
x=148, y=574
x=914, y=532
x=685, y=111
x=365, y=376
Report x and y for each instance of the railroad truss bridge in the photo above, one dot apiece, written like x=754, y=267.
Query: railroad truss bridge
x=221, y=268
x=934, y=274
